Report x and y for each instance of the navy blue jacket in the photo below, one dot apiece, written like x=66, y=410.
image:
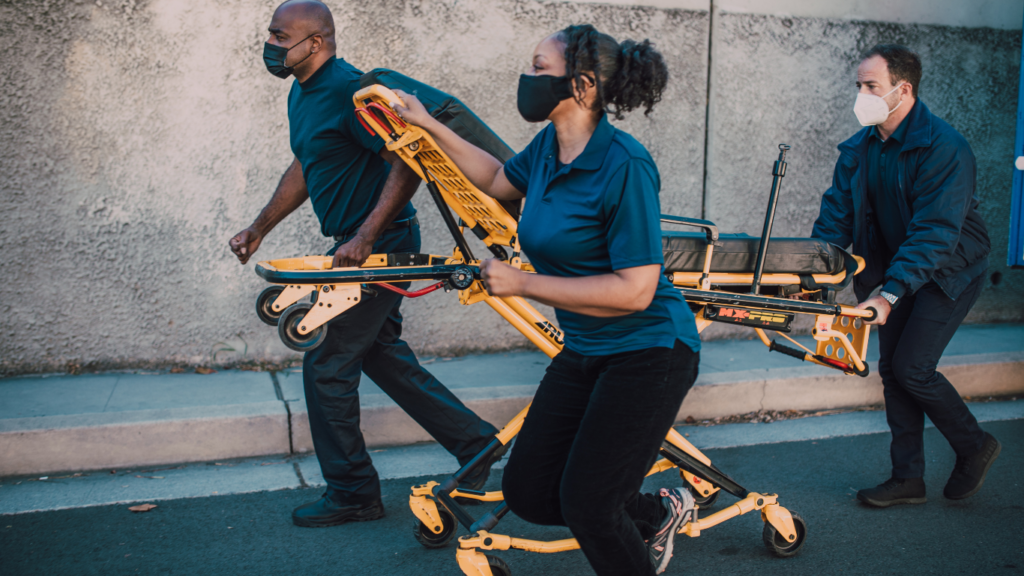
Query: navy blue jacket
x=946, y=238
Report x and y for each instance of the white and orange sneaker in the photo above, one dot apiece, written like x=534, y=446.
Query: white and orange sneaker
x=679, y=504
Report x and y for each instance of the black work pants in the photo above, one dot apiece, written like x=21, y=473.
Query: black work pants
x=368, y=338
x=591, y=435
x=910, y=344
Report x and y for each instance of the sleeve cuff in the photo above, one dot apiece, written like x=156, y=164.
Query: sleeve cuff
x=377, y=146
x=896, y=288
x=515, y=182
x=619, y=264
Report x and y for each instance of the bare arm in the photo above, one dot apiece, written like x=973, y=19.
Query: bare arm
x=398, y=190
x=606, y=295
x=482, y=169
x=291, y=192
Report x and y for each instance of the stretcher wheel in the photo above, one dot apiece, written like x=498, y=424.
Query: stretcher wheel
x=462, y=278
x=265, y=303
x=701, y=500
x=288, y=329
x=430, y=539
x=778, y=545
x=498, y=566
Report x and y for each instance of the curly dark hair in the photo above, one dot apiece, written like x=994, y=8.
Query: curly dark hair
x=628, y=76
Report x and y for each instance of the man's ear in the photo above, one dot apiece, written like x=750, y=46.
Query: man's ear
x=318, y=43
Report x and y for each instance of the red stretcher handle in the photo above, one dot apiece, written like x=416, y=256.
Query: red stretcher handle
x=388, y=113
x=359, y=116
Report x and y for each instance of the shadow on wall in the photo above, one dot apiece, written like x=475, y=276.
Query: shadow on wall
x=143, y=135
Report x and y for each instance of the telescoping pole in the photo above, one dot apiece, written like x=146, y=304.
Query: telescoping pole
x=779, y=171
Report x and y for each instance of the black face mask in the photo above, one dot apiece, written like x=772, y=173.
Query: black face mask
x=539, y=95
x=274, y=57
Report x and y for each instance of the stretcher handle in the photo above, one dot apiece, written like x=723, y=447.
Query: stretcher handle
x=868, y=314
x=380, y=91
x=709, y=227
x=377, y=118
x=388, y=112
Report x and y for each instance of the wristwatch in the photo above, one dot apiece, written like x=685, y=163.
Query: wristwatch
x=890, y=298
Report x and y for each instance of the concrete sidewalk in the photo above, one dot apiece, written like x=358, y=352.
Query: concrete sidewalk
x=110, y=421
x=19, y=495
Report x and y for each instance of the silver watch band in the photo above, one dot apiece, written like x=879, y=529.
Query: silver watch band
x=890, y=298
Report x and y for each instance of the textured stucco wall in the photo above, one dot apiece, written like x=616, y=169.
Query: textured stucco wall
x=137, y=137
x=779, y=79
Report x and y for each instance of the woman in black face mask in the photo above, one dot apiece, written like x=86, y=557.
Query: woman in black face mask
x=590, y=226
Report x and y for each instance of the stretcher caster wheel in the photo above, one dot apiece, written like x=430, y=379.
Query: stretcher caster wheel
x=498, y=566
x=288, y=329
x=265, y=303
x=430, y=539
x=701, y=500
x=778, y=545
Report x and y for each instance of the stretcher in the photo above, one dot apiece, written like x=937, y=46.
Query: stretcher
x=761, y=283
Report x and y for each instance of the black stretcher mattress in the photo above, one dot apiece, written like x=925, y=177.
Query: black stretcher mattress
x=685, y=252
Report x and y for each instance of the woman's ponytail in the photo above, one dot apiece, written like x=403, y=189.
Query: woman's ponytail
x=629, y=76
x=639, y=81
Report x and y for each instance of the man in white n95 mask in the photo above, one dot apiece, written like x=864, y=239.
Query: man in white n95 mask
x=903, y=195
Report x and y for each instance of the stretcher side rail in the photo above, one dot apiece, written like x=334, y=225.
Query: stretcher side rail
x=712, y=235
x=708, y=226
x=367, y=275
x=776, y=304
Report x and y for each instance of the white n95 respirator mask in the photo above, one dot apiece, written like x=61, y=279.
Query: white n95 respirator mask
x=872, y=110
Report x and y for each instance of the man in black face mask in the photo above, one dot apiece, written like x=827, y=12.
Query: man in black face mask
x=364, y=204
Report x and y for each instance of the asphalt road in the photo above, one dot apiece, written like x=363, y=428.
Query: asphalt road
x=252, y=533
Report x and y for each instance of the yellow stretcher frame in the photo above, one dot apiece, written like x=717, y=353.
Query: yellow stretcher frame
x=840, y=333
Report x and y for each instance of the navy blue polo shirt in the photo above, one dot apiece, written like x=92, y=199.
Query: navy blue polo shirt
x=884, y=186
x=340, y=160
x=595, y=215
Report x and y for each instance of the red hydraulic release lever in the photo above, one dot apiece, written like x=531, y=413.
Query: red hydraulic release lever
x=388, y=113
x=834, y=363
x=359, y=116
x=848, y=368
x=414, y=294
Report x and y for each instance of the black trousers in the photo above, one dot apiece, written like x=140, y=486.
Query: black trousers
x=591, y=435
x=368, y=338
x=910, y=345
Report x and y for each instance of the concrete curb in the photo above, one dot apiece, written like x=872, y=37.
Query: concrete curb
x=140, y=438
x=719, y=394
x=45, y=444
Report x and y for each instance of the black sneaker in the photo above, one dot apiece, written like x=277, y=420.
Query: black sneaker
x=477, y=481
x=969, y=472
x=679, y=504
x=326, y=512
x=894, y=491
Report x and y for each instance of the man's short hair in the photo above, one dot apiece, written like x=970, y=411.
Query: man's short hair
x=316, y=15
x=904, y=64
